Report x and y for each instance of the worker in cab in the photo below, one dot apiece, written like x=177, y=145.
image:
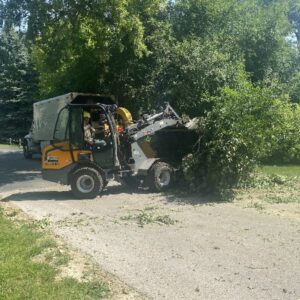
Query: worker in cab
x=89, y=131
x=104, y=130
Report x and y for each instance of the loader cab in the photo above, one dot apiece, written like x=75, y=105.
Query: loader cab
x=69, y=134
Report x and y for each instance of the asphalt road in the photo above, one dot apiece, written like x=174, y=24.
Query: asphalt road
x=212, y=251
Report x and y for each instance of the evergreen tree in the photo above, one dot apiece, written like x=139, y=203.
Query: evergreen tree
x=17, y=85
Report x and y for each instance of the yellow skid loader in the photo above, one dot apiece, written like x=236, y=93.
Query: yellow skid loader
x=146, y=152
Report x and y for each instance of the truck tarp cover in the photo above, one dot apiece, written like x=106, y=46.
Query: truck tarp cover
x=45, y=112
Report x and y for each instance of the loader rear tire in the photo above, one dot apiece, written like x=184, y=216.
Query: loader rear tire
x=86, y=183
x=160, y=177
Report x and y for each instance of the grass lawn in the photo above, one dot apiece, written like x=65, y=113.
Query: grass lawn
x=22, y=277
x=5, y=146
x=287, y=170
x=273, y=189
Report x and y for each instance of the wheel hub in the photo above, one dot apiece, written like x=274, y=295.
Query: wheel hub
x=164, y=178
x=85, y=183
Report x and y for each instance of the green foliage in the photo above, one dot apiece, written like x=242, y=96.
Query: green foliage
x=262, y=36
x=74, y=51
x=260, y=181
x=196, y=68
x=286, y=149
x=243, y=127
x=17, y=83
x=294, y=17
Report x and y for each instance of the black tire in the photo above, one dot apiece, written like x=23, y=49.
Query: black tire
x=105, y=184
x=26, y=151
x=86, y=183
x=131, y=182
x=160, y=177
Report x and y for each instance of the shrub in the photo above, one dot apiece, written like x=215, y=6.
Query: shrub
x=243, y=127
x=287, y=148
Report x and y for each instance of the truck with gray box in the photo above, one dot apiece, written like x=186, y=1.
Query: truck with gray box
x=45, y=114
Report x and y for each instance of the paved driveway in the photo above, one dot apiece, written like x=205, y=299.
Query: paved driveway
x=164, y=246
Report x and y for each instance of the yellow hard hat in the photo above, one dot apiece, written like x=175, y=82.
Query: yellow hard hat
x=125, y=115
x=86, y=114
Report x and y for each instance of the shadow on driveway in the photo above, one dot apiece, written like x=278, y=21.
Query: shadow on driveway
x=15, y=168
x=66, y=195
x=38, y=196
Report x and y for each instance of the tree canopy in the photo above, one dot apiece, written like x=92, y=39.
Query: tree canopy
x=17, y=85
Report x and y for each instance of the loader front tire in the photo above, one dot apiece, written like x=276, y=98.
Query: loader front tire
x=86, y=183
x=160, y=177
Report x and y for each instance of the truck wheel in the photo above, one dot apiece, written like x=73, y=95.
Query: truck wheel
x=86, y=183
x=26, y=150
x=160, y=177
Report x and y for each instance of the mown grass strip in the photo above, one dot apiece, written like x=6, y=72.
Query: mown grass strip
x=22, y=278
x=284, y=170
x=6, y=146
